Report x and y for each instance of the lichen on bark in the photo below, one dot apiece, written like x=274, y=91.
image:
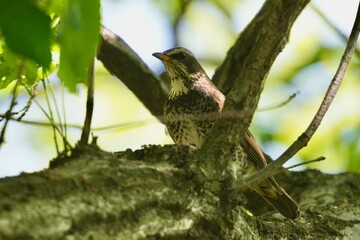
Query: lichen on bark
x=154, y=193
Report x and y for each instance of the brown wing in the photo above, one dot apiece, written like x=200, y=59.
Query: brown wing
x=269, y=189
x=253, y=150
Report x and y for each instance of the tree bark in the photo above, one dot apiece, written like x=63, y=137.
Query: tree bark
x=155, y=193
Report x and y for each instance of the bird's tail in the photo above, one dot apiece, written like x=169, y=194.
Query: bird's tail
x=280, y=200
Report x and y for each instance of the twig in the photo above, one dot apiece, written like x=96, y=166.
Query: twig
x=89, y=106
x=299, y=164
x=63, y=109
x=12, y=103
x=26, y=108
x=56, y=105
x=307, y=162
x=123, y=126
x=61, y=125
x=50, y=115
x=304, y=138
x=291, y=97
x=51, y=124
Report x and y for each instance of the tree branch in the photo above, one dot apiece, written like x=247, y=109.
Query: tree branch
x=12, y=103
x=143, y=195
x=120, y=60
x=258, y=45
x=242, y=74
x=89, y=106
x=279, y=105
x=304, y=138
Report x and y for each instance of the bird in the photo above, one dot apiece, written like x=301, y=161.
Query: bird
x=191, y=110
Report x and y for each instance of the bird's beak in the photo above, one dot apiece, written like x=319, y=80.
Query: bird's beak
x=162, y=56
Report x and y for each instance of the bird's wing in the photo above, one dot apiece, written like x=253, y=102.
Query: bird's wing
x=253, y=150
x=257, y=157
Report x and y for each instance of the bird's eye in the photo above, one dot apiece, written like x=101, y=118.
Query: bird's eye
x=180, y=56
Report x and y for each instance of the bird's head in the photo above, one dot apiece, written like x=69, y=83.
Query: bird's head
x=181, y=66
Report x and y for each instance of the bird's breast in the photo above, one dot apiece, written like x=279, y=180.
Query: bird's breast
x=190, y=117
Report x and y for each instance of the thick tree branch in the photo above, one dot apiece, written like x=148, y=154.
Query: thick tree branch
x=242, y=74
x=257, y=47
x=305, y=137
x=120, y=60
x=145, y=195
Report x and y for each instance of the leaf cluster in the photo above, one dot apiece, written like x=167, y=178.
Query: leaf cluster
x=36, y=32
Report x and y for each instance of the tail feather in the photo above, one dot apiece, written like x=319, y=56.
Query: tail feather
x=278, y=198
x=268, y=188
x=283, y=203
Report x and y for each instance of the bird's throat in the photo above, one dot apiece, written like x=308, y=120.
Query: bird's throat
x=177, y=88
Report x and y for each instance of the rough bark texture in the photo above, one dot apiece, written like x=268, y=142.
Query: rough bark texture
x=156, y=193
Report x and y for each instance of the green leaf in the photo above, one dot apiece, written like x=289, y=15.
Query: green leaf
x=26, y=30
x=78, y=38
x=9, y=68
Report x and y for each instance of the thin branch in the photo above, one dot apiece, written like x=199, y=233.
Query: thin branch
x=304, y=138
x=121, y=126
x=132, y=124
x=125, y=126
x=279, y=170
x=291, y=97
x=51, y=124
x=12, y=103
x=61, y=125
x=63, y=109
x=26, y=108
x=319, y=159
x=51, y=116
x=89, y=106
x=56, y=105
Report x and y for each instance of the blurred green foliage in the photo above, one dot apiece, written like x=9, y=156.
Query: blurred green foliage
x=78, y=38
x=26, y=35
x=9, y=68
x=26, y=30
